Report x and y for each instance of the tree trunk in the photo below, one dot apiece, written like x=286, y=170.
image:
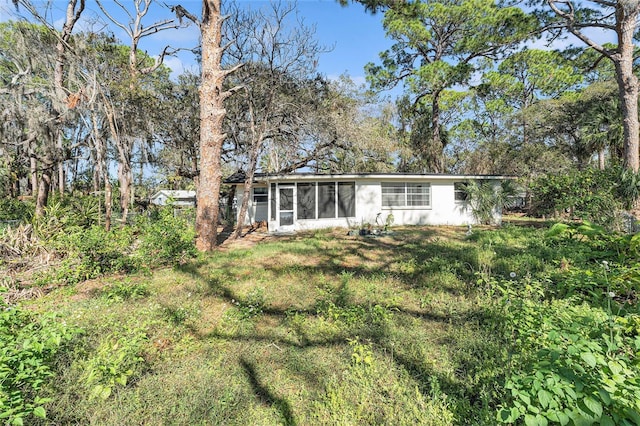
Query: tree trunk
x=33, y=169
x=627, y=82
x=124, y=178
x=102, y=170
x=248, y=182
x=43, y=192
x=212, y=113
x=436, y=138
x=628, y=92
x=601, y=163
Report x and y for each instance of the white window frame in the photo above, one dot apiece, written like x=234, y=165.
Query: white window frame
x=405, y=194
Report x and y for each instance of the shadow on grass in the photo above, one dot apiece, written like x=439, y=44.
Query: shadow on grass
x=265, y=395
x=364, y=258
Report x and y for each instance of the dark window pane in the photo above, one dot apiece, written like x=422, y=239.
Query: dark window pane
x=460, y=191
x=306, y=201
x=260, y=195
x=346, y=199
x=286, y=199
x=273, y=201
x=326, y=200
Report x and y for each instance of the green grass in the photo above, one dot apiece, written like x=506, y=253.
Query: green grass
x=307, y=330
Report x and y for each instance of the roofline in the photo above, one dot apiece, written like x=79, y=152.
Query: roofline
x=266, y=177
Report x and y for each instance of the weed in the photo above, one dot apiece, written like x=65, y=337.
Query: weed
x=125, y=290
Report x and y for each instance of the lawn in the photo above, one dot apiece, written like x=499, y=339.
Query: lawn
x=318, y=328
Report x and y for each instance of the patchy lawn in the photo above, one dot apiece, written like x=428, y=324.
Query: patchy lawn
x=318, y=328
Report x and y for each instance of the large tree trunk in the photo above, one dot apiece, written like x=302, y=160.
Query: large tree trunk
x=436, y=137
x=212, y=114
x=628, y=88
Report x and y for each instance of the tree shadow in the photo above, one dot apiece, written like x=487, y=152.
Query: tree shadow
x=265, y=396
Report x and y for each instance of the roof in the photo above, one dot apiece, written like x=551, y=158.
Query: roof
x=238, y=177
x=175, y=194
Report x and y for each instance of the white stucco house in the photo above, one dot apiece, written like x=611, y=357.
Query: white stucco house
x=304, y=201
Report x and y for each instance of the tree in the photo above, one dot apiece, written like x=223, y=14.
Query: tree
x=212, y=113
x=620, y=18
x=59, y=97
x=139, y=65
x=441, y=44
x=280, y=57
x=527, y=76
x=579, y=123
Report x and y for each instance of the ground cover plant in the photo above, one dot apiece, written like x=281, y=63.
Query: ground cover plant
x=431, y=326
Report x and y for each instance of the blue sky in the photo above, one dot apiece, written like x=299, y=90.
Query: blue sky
x=356, y=36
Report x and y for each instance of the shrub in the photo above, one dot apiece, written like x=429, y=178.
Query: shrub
x=28, y=347
x=590, y=194
x=117, y=359
x=13, y=209
x=166, y=239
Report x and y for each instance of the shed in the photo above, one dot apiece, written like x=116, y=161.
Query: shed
x=178, y=198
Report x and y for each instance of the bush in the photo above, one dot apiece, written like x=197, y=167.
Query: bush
x=165, y=239
x=13, y=209
x=28, y=347
x=589, y=194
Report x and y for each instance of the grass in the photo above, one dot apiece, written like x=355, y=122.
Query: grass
x=313, y=329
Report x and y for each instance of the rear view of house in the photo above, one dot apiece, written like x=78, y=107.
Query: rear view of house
x=301, y=201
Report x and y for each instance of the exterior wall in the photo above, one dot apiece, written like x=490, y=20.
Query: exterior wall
x=252, y=214
x=444, y=209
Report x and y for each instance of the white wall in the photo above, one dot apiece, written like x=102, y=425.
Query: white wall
x=444, y=209
x=251, y=207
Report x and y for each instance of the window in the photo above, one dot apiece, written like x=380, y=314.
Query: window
x=306, y=201
x=460, y=191
x=273, y=201
x=393, y=194
x=260, y=195
x=418, y=194
x=326, y=200
x=406, y=194
x=346, y=199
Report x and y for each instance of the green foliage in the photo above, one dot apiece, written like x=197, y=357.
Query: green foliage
x=590, y=194
x=13, y=209
x=92, y=252
x=29, y=346
x=125, y=290
x=573, y=364
x=117, y=359
x=166, y=239
x=487, y=197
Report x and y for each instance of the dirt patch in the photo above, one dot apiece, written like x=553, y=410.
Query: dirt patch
x=250, y=237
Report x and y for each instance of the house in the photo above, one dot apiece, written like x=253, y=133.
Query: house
x=303, y=201
x=176, y=198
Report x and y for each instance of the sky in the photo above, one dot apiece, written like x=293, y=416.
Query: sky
x=355, y=36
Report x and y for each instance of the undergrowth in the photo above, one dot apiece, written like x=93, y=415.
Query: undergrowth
x=426, y=326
